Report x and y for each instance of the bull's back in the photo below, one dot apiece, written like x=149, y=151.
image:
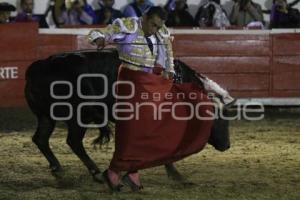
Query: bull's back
x=66, y=67
x=69, y=64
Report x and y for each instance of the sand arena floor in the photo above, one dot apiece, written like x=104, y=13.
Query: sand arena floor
x=262, y=163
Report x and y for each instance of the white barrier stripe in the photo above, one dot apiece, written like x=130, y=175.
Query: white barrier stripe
x=85, y=31
x=219, y=32
x=65, y=31
x=275, y=101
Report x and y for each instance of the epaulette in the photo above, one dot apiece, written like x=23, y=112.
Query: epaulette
x=127, y=25
x=164, y=32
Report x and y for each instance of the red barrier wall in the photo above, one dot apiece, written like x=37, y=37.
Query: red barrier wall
x=240, y=63
x=18, y=48
x=286, y=65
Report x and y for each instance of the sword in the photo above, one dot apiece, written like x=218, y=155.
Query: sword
x=94, y=35
x=132, y=43
x=129, y=43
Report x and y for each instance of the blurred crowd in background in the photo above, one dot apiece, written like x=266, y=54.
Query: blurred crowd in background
x=211, y=14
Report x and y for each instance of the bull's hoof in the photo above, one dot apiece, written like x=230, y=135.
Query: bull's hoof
x=178, y=178
x=175, y=176
x=55, y=168
x=57, y=171
x=58, y=174
x=188, y=183
x=98, y=178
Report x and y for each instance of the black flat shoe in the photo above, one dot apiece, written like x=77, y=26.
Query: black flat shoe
x=127, y=181
x=112, y=187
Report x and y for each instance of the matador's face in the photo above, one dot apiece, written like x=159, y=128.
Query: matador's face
x=151, y=25
x=108, y=3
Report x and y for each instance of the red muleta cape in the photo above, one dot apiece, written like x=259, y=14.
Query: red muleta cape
x=148, y=142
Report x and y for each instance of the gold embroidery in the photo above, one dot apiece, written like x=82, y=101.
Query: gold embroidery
x=129, y=23
x=139, y=54
x=148, y=62
x=116, y=28
x=164, y=32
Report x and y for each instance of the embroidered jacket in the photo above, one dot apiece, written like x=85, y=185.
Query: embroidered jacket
x=132, y=44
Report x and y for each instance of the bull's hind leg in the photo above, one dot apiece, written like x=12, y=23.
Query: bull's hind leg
x=175, y=175
x=74, y=140
x=41, y=139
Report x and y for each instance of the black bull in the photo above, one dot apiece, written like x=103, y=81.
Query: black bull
x=41, y=93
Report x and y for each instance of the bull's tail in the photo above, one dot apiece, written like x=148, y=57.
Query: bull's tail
x=104, y=136
x=101, y=140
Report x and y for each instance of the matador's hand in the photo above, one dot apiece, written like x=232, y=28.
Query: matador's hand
x=100, y=42
x=168, y=75
x=96, y=38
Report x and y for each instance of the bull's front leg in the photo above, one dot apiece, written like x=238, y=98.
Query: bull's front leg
x=74, y=140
